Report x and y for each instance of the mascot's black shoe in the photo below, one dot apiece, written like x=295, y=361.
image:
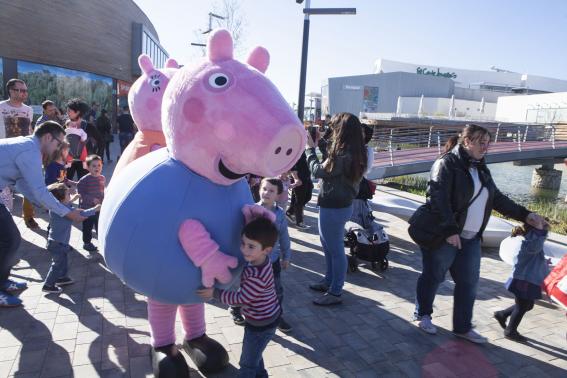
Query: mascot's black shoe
x=167, y=365
x=208, y=355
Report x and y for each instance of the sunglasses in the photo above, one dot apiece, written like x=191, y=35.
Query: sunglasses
x=59, y=141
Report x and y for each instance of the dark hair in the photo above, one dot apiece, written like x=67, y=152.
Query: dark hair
x=79, y=106
x=58, y=189
x=12, y=83
x=347, y=137
x=471, y=131
x=47, y=103
x=126, y=108
x=103, y=111
x=92, y=158
x=368, y=133
x=261, y=230
x=274, y=181
x=49, y=127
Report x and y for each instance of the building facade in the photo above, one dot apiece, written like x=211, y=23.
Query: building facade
x=65, y=49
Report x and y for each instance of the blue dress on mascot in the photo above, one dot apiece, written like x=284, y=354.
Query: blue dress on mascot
x=147, y=204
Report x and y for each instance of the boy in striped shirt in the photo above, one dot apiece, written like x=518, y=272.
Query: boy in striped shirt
x=91, y=189
x=256, y=295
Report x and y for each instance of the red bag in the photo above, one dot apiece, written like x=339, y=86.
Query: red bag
x=555, y=284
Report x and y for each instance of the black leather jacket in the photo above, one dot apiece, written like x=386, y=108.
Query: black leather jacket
x=451, y=188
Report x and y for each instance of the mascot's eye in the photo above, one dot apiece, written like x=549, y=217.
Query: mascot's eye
x=155, y=83
x=218, y=80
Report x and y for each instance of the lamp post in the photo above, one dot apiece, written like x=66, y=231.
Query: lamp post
x=307, y=10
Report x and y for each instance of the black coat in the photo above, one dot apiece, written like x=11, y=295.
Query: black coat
x=451, y=188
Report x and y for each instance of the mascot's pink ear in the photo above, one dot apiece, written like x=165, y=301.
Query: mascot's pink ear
x=220, y=45
x=145, y=63
x=259, y=58
x=171, y=63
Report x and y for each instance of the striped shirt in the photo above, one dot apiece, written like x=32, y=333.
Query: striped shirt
x=256, y=295
x=91, y=188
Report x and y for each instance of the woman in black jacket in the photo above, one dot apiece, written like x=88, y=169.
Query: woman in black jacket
x=460, y=197
x=340, y=175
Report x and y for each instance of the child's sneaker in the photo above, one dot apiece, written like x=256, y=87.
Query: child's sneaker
x=7, y=300
x=426, y=325
x=515, y=336
x=64, y=281
x=90, y=247
x=10, y=286
x=51, y=289
x=284, y=326
x=237, y=317
x=302, y=226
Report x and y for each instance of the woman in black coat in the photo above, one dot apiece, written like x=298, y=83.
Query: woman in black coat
x=460, y=197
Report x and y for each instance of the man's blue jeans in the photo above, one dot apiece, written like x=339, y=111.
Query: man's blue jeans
x=331, y=231
x=10, y=240
x=58, y=252
x=464, y=265
x=254, y=344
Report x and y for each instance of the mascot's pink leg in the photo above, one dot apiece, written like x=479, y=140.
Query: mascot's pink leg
x=193, y=318
x=207, y=354
x=167, y=362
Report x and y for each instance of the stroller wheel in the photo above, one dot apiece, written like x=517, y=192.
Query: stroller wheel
x=384, y=265
x=352, y=265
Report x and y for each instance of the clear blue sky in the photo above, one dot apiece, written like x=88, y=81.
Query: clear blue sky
x=524, y=36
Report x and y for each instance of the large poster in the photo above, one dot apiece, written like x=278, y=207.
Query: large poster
x=370, y=100
x=60, y=85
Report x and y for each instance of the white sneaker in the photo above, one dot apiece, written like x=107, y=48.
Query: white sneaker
x=472, y=336
x=425, y=324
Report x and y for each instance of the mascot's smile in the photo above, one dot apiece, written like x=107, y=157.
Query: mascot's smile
x=228, y=173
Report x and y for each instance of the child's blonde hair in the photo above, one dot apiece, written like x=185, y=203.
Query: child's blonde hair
x=59, y=151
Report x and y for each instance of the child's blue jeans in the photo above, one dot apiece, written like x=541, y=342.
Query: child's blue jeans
x=255, y=341
x=58, y=269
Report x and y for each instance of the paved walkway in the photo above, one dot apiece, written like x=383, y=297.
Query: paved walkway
x=98, y=327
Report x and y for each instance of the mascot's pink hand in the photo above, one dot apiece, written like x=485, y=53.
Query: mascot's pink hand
x=205, y=254
x=217, y=267
x=252, y=212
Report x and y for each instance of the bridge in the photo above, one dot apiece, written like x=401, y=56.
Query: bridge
x=404, y=150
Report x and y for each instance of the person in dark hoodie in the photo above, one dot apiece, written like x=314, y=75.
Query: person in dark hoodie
x=529, y=272
x=460, y=197
x=340, y=176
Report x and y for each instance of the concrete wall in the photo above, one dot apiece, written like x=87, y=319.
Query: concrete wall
x=346, y=94
x=544, y=108
x=439, y=107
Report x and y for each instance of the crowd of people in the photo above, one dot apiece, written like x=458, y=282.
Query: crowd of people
x=61, y=159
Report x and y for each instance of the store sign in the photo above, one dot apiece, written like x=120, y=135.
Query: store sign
x=123, y=87
x=370, y=100
x=352, y=87
x=425, y=71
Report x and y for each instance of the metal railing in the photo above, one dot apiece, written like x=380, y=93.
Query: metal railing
x=400, y=145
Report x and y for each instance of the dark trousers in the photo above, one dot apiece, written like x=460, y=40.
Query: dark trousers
x=516, y=313
x=300, y=196
x=88, y=225
x=9, y=243
x=76, y=166
x=104, y=146
x=464, y=266
x=58, y=269
x=277, y=269
x=124, y=139
x=254, y=343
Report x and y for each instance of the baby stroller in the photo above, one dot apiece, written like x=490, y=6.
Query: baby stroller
x=366, y=238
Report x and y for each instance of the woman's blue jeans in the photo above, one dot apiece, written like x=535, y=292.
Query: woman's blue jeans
x=331, y=231
x=464, y=265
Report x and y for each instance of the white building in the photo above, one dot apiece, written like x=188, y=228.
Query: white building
x=543, y=108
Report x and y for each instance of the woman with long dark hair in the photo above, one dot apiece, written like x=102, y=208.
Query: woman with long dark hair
x=460, y=197
x=340, y=174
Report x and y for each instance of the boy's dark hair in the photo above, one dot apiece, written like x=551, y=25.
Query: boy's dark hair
x=49, y=127
x=79, y=106
x=92, y=158
x=12, y=83
x=58, y=190
x=274, y=181
x=261, y=230
x=47, y=103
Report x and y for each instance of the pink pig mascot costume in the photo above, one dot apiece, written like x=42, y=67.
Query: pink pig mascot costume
x=171, y=221
x=145, y=100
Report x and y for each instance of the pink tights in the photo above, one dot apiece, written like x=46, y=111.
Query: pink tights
x=162, y=321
